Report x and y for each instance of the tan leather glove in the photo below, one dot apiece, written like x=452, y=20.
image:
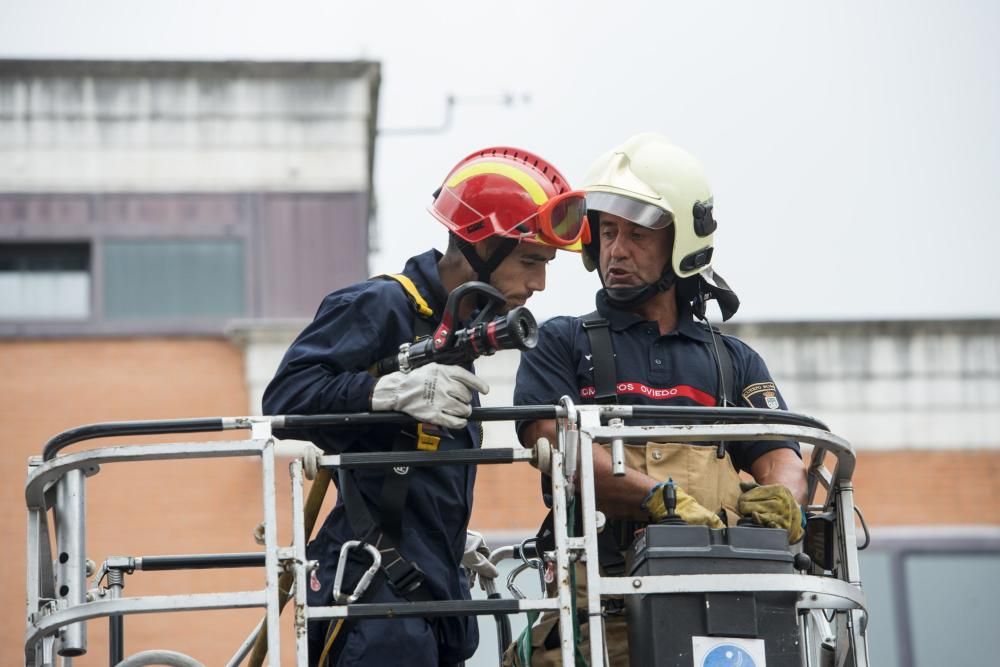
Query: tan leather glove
x=687, y=508
x=772, y=505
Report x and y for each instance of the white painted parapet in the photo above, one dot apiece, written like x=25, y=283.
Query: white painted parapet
x=121, y=126
x=881, y=385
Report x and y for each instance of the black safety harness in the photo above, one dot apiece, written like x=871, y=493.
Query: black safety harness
x=618, y=534
x=598, y=331
x=382, y=527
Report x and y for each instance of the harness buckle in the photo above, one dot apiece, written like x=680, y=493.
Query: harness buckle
x=427, y=442
x=595, y=323
x=366, y=578
x=403, y=576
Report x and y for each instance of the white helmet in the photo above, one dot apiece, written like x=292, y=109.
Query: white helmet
x=651, y=182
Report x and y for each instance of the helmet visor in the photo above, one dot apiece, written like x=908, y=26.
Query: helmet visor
x=640, y=212
x=460, y=217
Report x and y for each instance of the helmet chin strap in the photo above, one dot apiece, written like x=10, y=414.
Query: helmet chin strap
x=629, y=297
x=484, y=267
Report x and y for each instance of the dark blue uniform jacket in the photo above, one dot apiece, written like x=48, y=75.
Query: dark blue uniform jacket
x=678, y=368
x=324, y=371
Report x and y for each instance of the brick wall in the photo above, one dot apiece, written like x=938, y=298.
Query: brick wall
x=206, y=506
x=135, y=509
x=919, y=488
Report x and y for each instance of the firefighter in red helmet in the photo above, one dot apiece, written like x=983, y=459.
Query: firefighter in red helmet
x=511, y=196
x=507, y=212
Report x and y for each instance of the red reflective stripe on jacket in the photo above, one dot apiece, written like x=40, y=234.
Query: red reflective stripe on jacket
x=657, y=393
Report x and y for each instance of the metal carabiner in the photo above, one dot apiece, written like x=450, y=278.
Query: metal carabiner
x=366, y=578
x=511, y=586
x=526, y=564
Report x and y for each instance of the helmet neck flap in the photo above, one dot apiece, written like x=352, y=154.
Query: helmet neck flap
x=702, y=288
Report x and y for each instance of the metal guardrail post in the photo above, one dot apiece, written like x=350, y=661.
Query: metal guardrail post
x=588, y=491
x=271, y=550
x=71, y=558
x=301, y=566
x=116, y=622
x=37, y=532
x=563, y=564
x=617, y=450
x=856, y=619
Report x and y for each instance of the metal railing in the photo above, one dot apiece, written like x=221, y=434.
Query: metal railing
x=59, y=601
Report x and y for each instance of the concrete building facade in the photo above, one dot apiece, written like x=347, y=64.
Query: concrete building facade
x=171, y=197
x=143, y=207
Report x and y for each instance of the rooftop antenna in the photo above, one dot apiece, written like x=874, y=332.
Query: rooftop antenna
x=506, y=99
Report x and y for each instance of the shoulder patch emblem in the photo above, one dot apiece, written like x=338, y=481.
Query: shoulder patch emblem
x=764, y=392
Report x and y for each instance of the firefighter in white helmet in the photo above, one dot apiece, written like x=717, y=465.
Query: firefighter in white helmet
x=651, y=215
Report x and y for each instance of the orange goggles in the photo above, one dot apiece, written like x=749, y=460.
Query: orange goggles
x=560, y=222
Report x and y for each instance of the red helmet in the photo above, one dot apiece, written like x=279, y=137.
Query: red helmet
x=514, y=194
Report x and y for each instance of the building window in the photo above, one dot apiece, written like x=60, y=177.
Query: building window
x=187, y=278
x=44, y=281
x=953, y=607
x=929, y=599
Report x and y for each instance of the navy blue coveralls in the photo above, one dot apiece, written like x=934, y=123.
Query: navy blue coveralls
x=677, y=368
x=324, y=371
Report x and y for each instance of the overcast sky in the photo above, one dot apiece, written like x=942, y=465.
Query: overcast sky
x=854, y=147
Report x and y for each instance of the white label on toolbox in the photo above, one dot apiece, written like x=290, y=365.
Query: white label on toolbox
x=728, y=652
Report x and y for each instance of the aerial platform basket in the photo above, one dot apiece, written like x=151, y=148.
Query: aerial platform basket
x=65, y=589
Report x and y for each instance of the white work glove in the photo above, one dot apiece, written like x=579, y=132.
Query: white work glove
x=435, y=393
x=476, y=559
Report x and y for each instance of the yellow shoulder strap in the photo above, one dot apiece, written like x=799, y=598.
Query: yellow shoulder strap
x=411, y=291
